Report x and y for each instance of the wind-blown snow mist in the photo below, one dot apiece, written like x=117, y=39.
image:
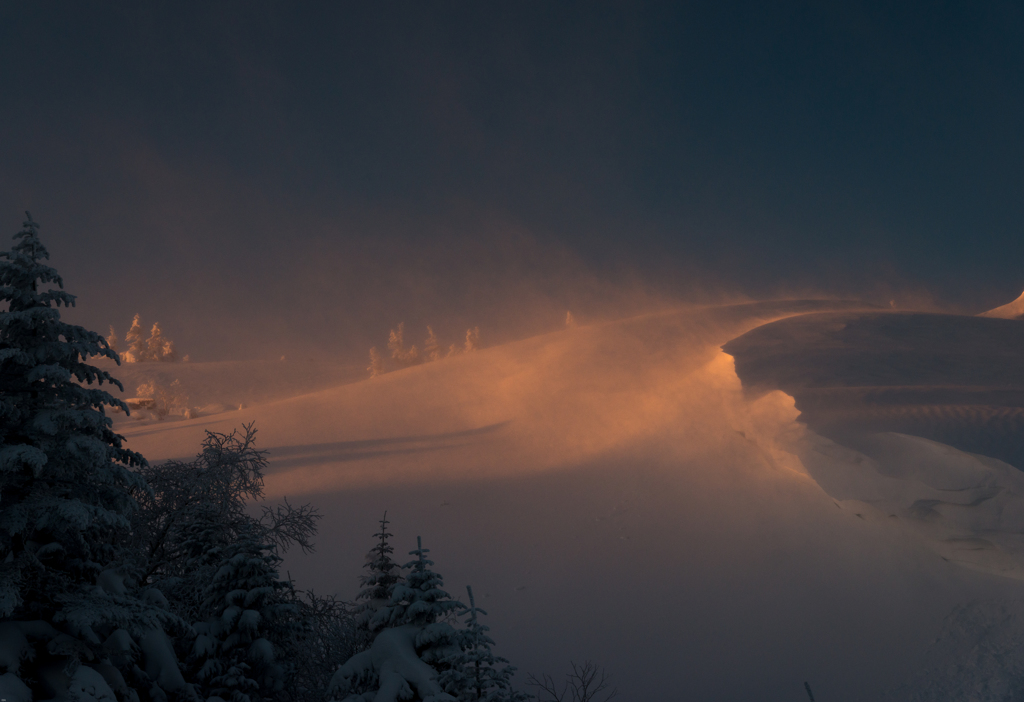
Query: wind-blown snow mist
x=614, y=494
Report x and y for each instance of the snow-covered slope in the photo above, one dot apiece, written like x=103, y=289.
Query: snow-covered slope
x=614, y=494
x=927, y=415
x=1011, y=310
x=954, y=379
x=215, y=386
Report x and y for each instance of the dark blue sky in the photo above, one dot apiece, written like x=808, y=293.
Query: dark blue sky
x=204, y=157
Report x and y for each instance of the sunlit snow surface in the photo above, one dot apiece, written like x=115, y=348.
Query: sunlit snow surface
x=1011, y=310
x=615, y=493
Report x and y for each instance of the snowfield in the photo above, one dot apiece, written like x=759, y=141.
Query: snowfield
x=613, y=492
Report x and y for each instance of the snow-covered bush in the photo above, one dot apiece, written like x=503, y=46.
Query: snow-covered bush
x=166, y=400
x=391, y=670
x=72, y=621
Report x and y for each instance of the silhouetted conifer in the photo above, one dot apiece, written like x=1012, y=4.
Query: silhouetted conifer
x=66, y=486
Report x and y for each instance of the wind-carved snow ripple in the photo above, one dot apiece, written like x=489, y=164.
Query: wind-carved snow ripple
x=288, y=457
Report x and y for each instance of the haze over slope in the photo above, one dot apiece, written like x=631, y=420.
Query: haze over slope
x=614, y=494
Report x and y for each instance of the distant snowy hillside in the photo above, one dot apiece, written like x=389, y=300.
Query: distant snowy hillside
x=613, y=493
x=217, y=386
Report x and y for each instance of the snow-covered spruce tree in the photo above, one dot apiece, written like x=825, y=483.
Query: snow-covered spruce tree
x=378, y=586
x=135, y=350
x=474, y=673
x=155, y=343
x=159, y=347
x=431, y=347
x=421, y=601
x=411, y=645
x=71, y=623
x=169, y=353
x=376, y=366
x=251, y=618
x=472, y=339
x=399, y=352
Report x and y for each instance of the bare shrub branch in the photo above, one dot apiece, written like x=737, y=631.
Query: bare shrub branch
x=586, y=682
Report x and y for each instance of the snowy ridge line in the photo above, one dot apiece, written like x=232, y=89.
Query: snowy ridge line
x=1011, y=310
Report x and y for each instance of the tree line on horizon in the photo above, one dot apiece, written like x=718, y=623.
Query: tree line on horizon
x=405, y=356
x=140, y=350
x=122, y=581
